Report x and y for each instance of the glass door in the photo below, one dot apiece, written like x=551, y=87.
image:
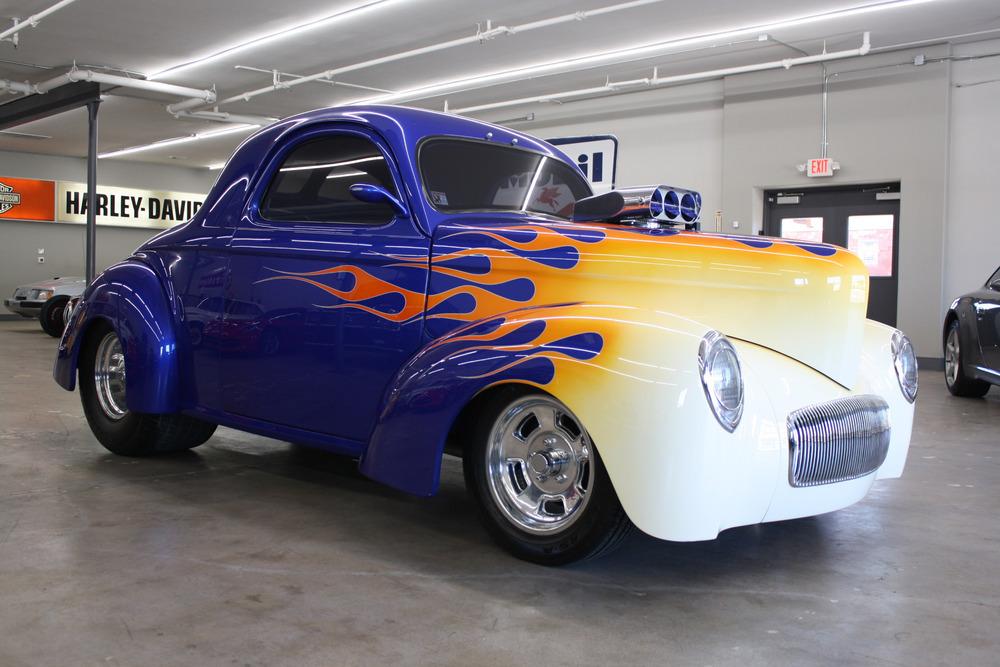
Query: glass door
x=863, y=219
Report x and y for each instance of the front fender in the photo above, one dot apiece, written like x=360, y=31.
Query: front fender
x=613, y=366
x=631, y=375
x=129, y=296
x=972, y=351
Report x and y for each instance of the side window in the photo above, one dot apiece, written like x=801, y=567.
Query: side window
x=313, y=183
x=557, y=189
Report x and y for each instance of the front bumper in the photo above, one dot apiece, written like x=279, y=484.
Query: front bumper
x=696, y=480
x=24, y=307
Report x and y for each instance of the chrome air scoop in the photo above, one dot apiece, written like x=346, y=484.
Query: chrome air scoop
x=643, y=206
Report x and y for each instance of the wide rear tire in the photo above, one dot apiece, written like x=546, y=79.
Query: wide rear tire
x=119, y=430
x=542, y=489
x=959, y=384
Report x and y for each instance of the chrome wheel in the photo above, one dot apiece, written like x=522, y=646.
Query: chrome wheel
x=952, y=356
x=109, y=377
x=539, y=465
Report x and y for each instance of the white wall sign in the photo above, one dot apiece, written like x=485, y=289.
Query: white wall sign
x=819, y=167
x=597, y=156
x=126, y=207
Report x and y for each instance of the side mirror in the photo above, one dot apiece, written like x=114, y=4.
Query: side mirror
x=376, y=194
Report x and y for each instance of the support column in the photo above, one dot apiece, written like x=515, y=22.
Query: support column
x=91, y=243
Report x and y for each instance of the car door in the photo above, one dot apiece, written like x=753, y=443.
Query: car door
x=986, y=303
x=326, y=293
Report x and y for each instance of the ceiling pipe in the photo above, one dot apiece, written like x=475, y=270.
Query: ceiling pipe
x=481, y=36
x=32, y=21
x=618, y=57
x=226, y=117
x=202, y=96
x=657, y=81
x=278, y=76
x=15, y=87
x=490, y=33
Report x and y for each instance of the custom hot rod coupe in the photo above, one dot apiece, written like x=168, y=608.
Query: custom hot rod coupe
x=396, y=284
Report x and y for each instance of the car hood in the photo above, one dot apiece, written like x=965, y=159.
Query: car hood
x=55, y=283
x=805, y=300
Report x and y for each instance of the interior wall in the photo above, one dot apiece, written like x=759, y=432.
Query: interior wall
x=972, y=246
x=733, y=139
x=669, y=136
x=887, y=122
x=64, y=243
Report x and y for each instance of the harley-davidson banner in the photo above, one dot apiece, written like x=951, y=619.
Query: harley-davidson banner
x=64, y=201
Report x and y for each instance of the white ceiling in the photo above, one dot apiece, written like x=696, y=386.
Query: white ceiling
x=147, y=37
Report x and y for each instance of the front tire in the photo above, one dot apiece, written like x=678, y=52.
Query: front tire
x=959, y=384
x=51, y=316
x=542, y=489
x=118, y=429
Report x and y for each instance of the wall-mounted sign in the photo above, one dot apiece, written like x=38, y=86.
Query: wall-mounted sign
x=126, y=207
x=597, y=157
x=64, y=201
x=819, y=167
x=27, y=199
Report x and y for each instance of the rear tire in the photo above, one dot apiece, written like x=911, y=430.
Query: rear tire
x=959, y=384
x=119, y=430
x=51, y=316
x=577, y=515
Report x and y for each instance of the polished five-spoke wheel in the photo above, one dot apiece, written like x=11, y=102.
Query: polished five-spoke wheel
x=539, y=465
x=109, y=377
x=539, y=480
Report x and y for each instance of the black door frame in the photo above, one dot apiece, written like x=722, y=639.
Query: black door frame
x=821, y=201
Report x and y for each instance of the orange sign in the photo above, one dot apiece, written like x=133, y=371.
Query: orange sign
x=27, y=199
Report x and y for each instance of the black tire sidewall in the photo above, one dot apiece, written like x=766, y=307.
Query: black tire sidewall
x=581, y=539
x=954, y=326
x=117, y=436
x=51, y=316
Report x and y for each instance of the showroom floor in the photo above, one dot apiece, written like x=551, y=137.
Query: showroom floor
x=252, y=552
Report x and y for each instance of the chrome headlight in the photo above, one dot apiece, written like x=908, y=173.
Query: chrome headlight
x=721, y=378
x=43, y=294
x=905, y=361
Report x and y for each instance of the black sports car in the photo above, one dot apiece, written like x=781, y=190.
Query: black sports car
x=972, y=340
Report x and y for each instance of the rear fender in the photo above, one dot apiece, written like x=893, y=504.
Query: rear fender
x=606, y=363
x=129, y=297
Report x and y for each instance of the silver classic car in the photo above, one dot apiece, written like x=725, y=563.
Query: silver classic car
x=46, y=300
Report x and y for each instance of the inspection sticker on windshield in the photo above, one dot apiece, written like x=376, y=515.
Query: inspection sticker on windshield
x=439, y=198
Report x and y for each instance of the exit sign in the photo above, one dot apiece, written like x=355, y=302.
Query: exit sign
x=820, y=167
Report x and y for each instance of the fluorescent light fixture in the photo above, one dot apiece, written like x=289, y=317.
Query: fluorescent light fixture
x=26, y=135
x=178, y=140
x=268, y=38
x=619, y=56
x=331, y=165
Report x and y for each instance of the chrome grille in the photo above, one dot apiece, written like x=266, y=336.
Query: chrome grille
x=837, y=440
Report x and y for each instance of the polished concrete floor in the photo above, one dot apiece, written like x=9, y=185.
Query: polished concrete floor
x=252, y=552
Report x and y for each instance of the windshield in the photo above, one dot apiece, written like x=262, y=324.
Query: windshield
x=463, y=175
